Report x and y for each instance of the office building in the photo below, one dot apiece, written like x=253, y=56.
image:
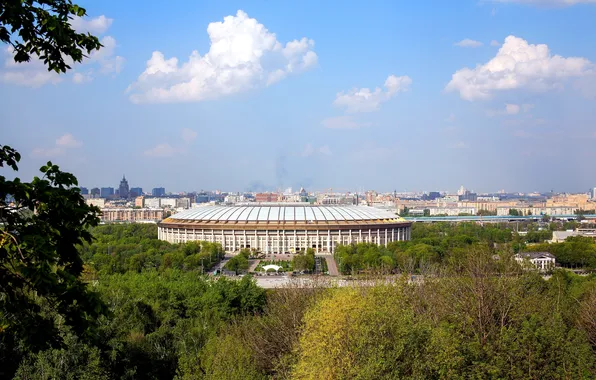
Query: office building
x=158, y=192
x=135, y=192
x=106, y=192
x=84, y=191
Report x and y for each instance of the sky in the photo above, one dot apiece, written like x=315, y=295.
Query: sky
x=262, y=95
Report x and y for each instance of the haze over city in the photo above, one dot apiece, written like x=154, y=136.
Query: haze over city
x=262, y=96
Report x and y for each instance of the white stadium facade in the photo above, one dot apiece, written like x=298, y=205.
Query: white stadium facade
x=284, y=228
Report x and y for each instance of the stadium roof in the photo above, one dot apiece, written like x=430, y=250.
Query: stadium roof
x=288, y=213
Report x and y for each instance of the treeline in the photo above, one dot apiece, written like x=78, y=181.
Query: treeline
x=469, y=321
x=135, y=248
x=439, y=244
x=156, y=322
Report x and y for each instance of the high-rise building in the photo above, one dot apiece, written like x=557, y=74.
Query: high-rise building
x=135, y=192
x=95, y=192
x=84, y=191
x=158, y=192
x=123, y=188
x=594, y=193
x=106, y=192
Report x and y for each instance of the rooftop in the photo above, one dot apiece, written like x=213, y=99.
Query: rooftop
x=285, y=212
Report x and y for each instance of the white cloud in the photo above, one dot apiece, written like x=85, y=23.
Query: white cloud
x=97, y=25
x=188, y=135
x=518, y=65
x=243, y=54
x=68, y=141
x=80, y=78
x=61, y=146
x=495, y=43
x=458, y=145
x=468, y=43
x=325, y=150
x=310, y=150
x=162, y=150
x=35, y=74
x=343, y=122
x=365, y=100
x=560, y=3
x=512, y=109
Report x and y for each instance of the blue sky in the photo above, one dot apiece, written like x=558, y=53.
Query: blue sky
x=384, y=95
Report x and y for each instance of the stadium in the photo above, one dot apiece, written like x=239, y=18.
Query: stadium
x=284, y=228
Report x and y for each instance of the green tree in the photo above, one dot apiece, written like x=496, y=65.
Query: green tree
x=41, y=29
x=41, y=224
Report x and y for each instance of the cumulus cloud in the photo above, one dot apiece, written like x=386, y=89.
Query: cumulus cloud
x=343, y=122
x=366, y=100
x=35, y=74
x=468, y=43
x=518, y=64
x=61, y=146
x=97, y=25
x=243, y=54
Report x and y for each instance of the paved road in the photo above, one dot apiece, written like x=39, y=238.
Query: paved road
x=331, y=265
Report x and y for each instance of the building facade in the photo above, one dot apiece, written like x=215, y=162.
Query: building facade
x=131, y=215
x=285, y=228
x=543, y=261
x=158, y=192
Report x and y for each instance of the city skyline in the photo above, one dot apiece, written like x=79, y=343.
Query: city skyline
x=376, y=96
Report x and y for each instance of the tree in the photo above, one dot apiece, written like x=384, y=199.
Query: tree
x=42, y=28
x=41, y=225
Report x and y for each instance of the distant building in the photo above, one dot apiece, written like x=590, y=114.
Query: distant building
x=135, y=192
x=183, y=203
x=123, y=188
x=266, y=197
x=106, y=192
x=594, y=193
x=158, y=192
x=542, y=261
x=140, y=201
x=95, y=192
x=84, y=191
x=152, y=202
x=132, y=215
x=561, y=236
x=168, y=202
x=202, y=198
x=98, y=202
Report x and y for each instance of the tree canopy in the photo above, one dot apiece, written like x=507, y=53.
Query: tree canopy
x=41, y=29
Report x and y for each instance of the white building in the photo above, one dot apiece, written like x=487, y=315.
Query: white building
x=285, y=228
x=98, y=202
x=168, y=202
x=152, y=203
x=542, y=261
x=451, y=211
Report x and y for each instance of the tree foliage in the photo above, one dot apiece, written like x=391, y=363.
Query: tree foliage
x=40, y=29
x=41, y=225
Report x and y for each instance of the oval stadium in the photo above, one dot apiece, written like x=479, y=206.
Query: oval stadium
x=284, y=228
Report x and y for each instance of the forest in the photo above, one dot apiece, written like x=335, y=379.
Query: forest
x=472, y=317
